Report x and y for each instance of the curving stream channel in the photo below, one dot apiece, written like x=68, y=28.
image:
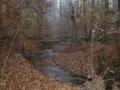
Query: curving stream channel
x=64, y=76
x=53, y=19
x=61, y=74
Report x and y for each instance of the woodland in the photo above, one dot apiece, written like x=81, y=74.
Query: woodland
x=59, y=44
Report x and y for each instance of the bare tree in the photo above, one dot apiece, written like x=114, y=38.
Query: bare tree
x=118, y=24
x=85, y=26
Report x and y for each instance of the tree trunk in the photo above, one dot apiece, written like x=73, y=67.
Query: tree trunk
x=118, y=26
x=91, y=19
x=0, y=17
x=118, y=23
x=85, y=26
x=106, y=5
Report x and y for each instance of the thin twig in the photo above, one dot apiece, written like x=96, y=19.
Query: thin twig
x=9, y=52
x=92, y=51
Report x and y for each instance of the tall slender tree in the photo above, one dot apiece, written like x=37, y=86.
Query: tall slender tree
x=92, y=17
x=84, y=13
x=118, y=24
x=0, y=14
x=106, y=7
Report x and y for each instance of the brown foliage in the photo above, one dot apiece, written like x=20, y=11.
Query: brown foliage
x=31, y=46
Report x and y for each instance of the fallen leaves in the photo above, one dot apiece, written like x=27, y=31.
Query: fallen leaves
x=76, y=59
x=21, y=75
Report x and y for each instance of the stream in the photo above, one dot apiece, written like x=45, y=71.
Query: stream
x=53, y=19
x=64, y=76
x=58, y=73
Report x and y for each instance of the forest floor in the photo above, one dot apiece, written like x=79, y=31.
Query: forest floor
x=77, y=58
x=20, y=74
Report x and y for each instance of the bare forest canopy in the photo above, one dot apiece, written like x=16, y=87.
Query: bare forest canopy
x=54, y=20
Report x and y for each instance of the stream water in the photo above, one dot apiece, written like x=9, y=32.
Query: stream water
x=64, y=76
x=53, y=19
x=60, y=74
x=59, y=23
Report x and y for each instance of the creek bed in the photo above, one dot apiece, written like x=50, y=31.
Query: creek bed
x=64, y=76
x=58, y=73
